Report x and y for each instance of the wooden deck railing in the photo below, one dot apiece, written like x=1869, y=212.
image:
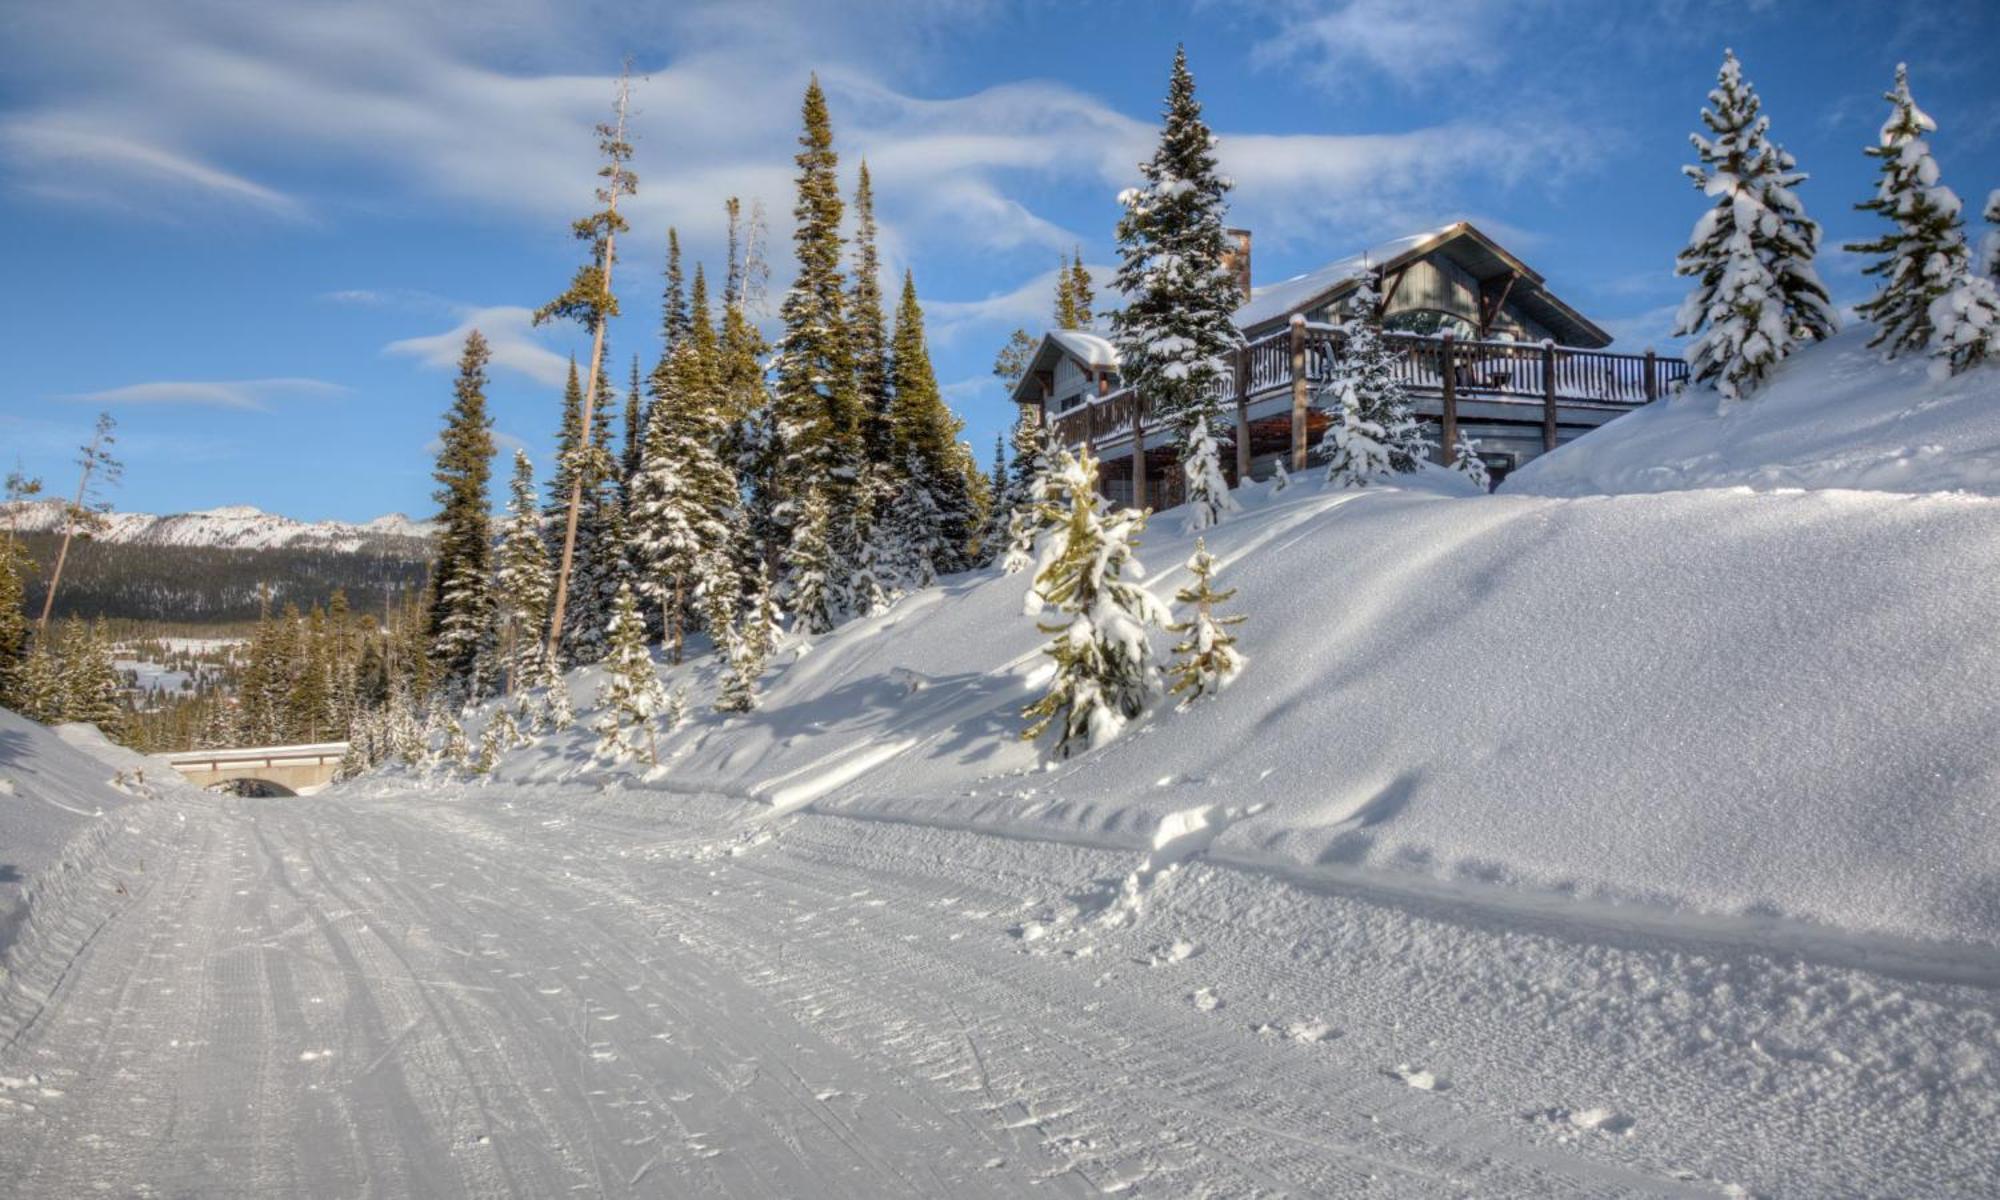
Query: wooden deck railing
x=1455, y=370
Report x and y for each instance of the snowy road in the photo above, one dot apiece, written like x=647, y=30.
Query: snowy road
x=412, y=995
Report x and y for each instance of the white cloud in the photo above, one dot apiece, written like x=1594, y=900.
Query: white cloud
x=80, y=162
x=250, y=395
x=1407, y=42
x=510, y=334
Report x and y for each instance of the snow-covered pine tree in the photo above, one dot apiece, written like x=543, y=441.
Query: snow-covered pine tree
x=763, y=623
x=631, y=695
x=871, y=586
x=1280, y=478
x=926, y=436
x=684, y=493
x=744, y=652
x=1373, y=431
x=499, y=736
x=1751, y=254
x=13, y=622
x=818, y=406
x=1000, y=508
x=1466, y=461
x=521, y=579
x=1924, y=255
x=38, y=688
x=461, y=616
x=1028, y=486
x=557, y=712
x=809, y=578
x=1176, y=326
x=91, y=689
x=675, y=714
x=456, y=752
x=913, y=540
x=1105, y=675
x=1205, y=659
x=600, y=564
x=1966, y=324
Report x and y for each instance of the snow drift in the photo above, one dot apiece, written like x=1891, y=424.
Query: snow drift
x=1833, y=416
x=1721, y=709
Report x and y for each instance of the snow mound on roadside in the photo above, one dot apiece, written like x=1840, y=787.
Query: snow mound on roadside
x=1833, y=416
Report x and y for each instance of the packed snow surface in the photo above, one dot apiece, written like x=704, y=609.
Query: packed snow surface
x=1606, y=844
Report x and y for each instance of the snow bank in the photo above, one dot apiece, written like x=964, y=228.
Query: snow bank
x=57, y=786
x=1834, y=416
x=1728, y=703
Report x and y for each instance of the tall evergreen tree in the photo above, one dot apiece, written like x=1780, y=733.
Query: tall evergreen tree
x=1989, y=256
x=635, y=437
x=1073, y=295
x=13, y=622
x=1104, y=670
x=926, y=432
x=819, y=407
x=1751, y=253
x=600, y=542
x=684, y=492
x=1176, y=326
x=868, y=330
x=521, y=581
x=1924, y=254
x=590, y=302
x=461, y=617
x=1012, y=361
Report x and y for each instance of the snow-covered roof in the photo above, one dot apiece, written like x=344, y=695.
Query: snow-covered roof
x=1274, y=300
x=1095, y=351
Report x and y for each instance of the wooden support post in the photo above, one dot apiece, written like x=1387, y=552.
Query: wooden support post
x=1652, y=375
x=1299, y=396
x=1138, y=457
x=1242, y=415
x=1048, y=391
x=1448, y=371
x=1548, y=395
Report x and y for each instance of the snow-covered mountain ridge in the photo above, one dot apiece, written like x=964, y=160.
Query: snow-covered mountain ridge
x=232, y=527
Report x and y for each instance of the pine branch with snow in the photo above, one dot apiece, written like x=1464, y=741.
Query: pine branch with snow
x=1208, y=496
x=1466, y=461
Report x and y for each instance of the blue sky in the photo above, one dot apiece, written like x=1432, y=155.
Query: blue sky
x=257, y=231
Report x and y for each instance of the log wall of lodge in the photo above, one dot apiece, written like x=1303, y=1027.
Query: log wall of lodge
x=1518, y=398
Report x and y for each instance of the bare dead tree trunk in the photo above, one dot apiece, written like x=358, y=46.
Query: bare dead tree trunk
x=590, y=389
x=90, y=454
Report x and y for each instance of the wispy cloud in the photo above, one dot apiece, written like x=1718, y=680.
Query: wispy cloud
x=1407, y=42
x=509, y=331
x=248, y=395
x=81, y=162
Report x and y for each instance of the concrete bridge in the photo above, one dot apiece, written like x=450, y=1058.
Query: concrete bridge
x=261, y=770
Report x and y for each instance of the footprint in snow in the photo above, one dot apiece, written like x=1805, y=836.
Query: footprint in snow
x=1306, y=1032
x=1423, y=1081
x=1205, y=999
x=1168, y=955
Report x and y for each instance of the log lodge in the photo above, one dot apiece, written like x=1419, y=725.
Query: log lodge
x=1485, y=348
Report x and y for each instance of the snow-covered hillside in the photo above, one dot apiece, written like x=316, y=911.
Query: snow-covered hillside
x=1833, y=416
x=235, y=527
x=1726, y=707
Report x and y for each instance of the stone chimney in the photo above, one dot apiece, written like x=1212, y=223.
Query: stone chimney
x=1236, y=259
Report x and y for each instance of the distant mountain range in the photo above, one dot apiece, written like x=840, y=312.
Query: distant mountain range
x=236, y=527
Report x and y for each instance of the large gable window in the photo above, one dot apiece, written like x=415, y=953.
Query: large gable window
x=1430, y=322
